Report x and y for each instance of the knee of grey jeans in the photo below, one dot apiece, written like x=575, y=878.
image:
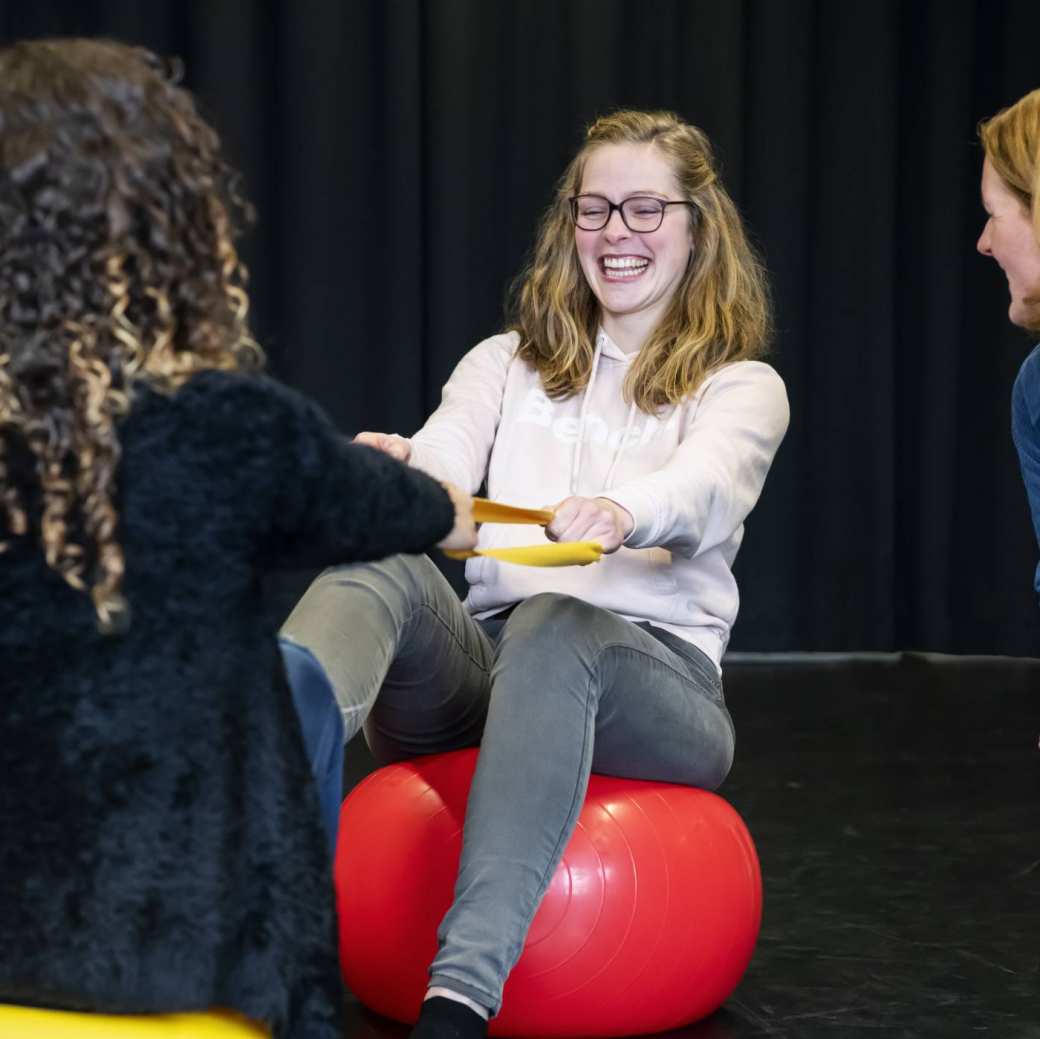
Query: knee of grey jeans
x=408, y=571
x=352, y=618
x=549, y=634
x=396, y=582
x=553, y=619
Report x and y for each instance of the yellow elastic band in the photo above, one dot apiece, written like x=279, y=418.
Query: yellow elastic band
x=563, y=553
x=485, y=511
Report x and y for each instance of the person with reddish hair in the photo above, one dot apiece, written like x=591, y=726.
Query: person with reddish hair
x=1011, y=198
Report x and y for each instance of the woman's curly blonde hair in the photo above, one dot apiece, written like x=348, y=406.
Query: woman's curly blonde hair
x=720, y=311
x=117, y=264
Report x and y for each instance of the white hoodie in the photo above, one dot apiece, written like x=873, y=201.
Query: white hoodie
x=689, y=477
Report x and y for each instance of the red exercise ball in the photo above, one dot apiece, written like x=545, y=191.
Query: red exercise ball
x=649, y=922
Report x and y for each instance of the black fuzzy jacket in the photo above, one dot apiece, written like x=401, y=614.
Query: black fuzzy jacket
x=160, y=840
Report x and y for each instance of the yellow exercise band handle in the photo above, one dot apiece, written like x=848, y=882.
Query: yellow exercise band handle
x=562, y=553
x=485, y=511
x=566, y=553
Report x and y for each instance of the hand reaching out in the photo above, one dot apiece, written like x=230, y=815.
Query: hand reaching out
x=575, y=518
x=389, y=443
x=590, y=519
x=463, y=535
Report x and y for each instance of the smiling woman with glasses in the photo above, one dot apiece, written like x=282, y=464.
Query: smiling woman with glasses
x=628, y=392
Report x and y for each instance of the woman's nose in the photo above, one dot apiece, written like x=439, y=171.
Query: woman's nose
x=616, y=227
x=983, y=243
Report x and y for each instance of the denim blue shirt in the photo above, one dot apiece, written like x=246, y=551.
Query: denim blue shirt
x=1025, y=429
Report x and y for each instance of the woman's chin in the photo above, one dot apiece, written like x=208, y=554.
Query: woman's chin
x=621, y=298
x=1025, y=315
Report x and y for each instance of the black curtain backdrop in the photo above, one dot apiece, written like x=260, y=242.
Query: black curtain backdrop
x=400, y=153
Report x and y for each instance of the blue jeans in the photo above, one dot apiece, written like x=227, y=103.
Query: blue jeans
x=322, y=729
x=551, y=692
x=1025, y=430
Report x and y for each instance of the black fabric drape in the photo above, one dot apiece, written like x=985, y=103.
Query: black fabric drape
x=400, y=153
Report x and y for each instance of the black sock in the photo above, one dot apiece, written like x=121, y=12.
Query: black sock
x=442, y=1018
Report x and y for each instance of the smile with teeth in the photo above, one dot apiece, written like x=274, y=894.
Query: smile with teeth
x=623, y=268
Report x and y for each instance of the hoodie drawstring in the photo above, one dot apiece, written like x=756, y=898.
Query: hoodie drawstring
x=576, y=456
x=622, y=444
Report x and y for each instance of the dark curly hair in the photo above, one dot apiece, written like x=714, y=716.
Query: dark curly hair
x=117, y=264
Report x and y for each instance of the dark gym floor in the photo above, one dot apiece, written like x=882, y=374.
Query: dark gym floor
x=895, y=805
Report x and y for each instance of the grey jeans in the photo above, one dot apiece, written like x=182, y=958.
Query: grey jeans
x=553, y=691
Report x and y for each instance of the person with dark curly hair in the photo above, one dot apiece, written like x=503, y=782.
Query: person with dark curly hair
x=160, y=836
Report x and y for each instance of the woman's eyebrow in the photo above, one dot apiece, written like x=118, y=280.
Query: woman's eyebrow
x=632, y=194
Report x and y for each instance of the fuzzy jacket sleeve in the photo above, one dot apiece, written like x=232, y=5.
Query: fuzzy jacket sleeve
x=318, y=498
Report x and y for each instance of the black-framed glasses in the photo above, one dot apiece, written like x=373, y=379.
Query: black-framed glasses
x=640, y=213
